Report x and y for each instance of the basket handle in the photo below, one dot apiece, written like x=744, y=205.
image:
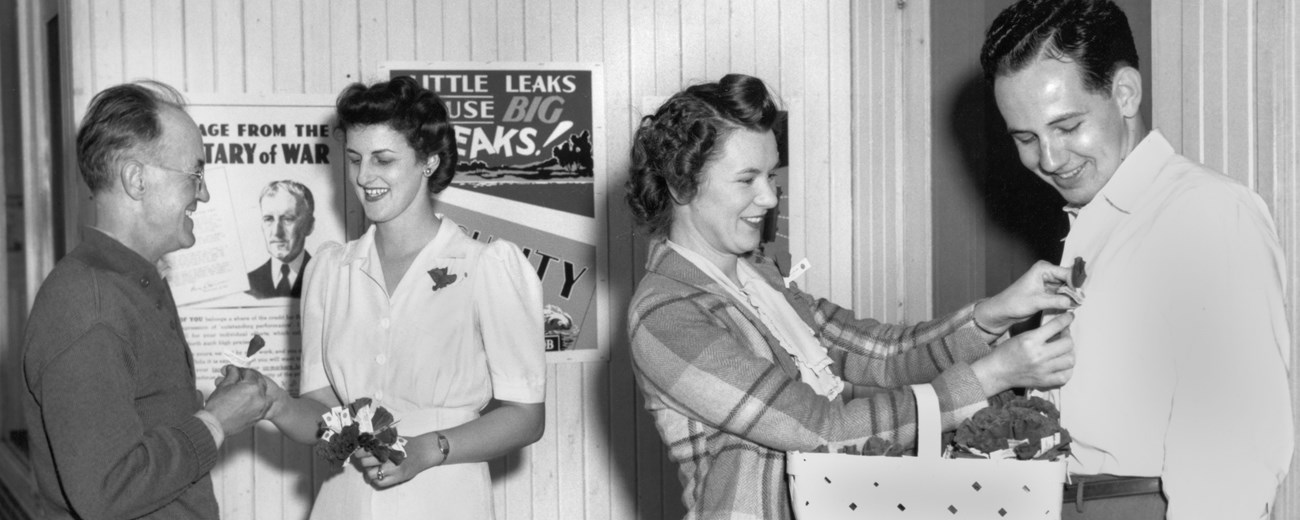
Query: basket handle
x=928, y=428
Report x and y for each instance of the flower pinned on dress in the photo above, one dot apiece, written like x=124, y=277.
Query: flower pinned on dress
x=441, y=278
x=1022, y=428
x=360, y=426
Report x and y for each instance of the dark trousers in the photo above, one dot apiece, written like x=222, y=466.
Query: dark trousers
x=1106, y=497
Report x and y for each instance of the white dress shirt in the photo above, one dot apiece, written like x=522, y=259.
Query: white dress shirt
x=1182, y=345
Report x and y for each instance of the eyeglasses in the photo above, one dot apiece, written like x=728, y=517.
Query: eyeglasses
x=196, y=175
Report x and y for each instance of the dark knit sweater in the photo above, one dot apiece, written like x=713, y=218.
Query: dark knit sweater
x=111, y=398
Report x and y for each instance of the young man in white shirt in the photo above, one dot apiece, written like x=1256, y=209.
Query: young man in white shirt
x=1182, y=344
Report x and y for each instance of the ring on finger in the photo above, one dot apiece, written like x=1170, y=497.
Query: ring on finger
x=379, y=474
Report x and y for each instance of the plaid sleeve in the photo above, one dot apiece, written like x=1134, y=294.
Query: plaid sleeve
x=877, y=354
x=696, y=354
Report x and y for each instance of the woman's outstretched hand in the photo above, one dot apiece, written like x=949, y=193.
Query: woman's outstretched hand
x=1040, y=358
x=1034, y=292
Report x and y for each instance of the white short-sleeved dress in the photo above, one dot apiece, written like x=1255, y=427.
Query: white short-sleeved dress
x=463, y=326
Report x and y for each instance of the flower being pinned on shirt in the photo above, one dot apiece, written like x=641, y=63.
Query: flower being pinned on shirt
x=360, y=426
x=1078, y=274
x=441, y=278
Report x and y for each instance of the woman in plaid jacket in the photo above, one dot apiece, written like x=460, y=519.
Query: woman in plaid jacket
x=738, y=365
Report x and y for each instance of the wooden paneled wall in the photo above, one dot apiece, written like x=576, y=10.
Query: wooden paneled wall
x=601, y=456
x=1227, y=93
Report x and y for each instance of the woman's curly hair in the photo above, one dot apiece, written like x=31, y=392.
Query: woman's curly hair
x=671, y=147
x=413, y=111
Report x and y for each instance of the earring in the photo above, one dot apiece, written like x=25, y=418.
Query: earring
x=428, y=172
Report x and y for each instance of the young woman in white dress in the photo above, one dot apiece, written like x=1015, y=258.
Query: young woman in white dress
x=424, y=320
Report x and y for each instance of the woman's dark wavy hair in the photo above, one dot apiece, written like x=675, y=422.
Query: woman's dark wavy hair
x=1093, y=33
x=413, y=111
x=671, y=147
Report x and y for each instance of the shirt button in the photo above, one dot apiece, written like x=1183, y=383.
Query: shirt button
x=381, y=359
x=157, y=305
x=379, y=395
x=383, y=324
x=144, y=282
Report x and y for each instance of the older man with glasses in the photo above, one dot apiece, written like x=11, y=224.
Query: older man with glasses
x=119, y=429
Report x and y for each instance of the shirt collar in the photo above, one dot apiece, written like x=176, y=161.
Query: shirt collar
x=108, y=252
x=447, y=243
x=295, y=265
x=1135, y=174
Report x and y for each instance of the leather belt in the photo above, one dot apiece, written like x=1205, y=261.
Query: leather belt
x=1095, y=487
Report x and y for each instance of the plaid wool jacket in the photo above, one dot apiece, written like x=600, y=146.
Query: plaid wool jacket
x=727, y=400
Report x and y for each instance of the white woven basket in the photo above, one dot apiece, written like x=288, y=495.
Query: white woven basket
x=830, y=486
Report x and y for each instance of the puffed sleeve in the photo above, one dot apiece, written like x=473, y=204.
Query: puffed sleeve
x=316, y=289
x=508, y=310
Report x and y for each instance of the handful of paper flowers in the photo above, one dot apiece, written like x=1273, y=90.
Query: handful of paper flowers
x=346, y=429
x=1022, y=428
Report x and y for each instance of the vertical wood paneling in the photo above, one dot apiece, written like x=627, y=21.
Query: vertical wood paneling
x=200, y=56
x=137, y=42
x=1239, y=93
x=1213, y=83
x=510, y=30
x=401, y=29
x=316, y=47
x=668, y=46
x=537, y=37
x=646, y=456
x=344, y=43
x=106, y=33
x=288, y=48
x=618, y=414
x=716, y=48
x=455, y=32
x=915, y=168
x=1191, y=91
x=484, y=36
x=169, y=43
x=694, y=43
x=259, y=65
x=741, y=35
x=428, y=31
x=1166, y=37
x=839, y=195
x=228, y=43
x=564, y=30
x=373, y=37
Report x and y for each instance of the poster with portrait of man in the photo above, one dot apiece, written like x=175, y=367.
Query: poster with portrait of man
x=274, y=177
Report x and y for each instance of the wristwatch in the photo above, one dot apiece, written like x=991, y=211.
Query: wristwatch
x=443, y=446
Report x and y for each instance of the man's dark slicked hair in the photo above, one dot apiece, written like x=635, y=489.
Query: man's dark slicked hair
x=1093, y=33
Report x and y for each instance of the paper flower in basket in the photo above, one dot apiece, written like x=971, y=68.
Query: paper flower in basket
x=1023, y=428
x=360, y=425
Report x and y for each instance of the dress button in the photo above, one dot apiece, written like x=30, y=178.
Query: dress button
x=381, y=359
